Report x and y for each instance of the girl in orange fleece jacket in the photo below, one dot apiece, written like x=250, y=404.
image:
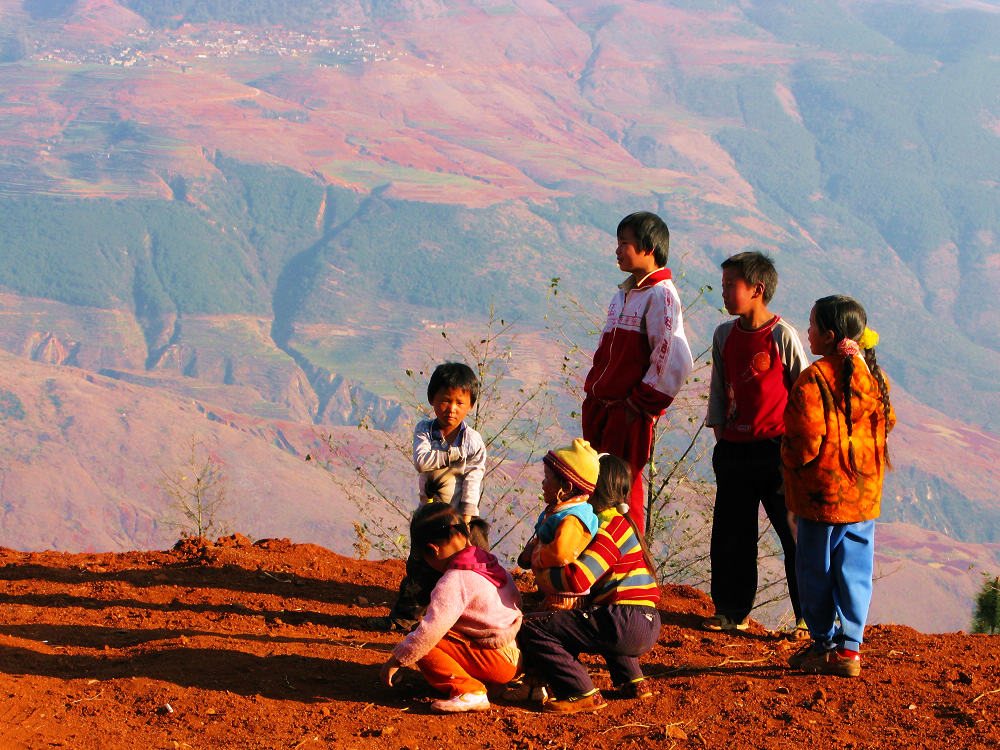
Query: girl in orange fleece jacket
x=834, y=454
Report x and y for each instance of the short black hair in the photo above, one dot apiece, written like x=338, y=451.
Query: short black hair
x=651, y=233
x=755, y=268
x=453, y=375
x=435, y=523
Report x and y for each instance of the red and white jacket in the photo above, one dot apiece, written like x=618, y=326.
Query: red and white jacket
x=643, y=355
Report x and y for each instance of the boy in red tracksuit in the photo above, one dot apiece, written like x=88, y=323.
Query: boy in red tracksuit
x=642, y=358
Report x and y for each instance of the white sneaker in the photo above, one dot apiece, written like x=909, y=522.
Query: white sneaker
x=462, y=703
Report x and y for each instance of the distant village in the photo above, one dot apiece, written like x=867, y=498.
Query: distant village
x=183, y=47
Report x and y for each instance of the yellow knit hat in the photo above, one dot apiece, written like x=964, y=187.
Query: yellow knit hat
x=578, y=464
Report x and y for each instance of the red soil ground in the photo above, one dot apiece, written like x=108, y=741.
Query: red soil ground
x=270, y=645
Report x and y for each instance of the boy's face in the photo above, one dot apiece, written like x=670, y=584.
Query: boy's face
x=550, y=486
x=630, y=258
x=738, y=296
x=451, y=405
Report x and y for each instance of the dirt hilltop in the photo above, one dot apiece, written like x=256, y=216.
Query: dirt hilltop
x=270, y=645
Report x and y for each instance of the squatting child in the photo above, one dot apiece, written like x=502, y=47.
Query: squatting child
x=620, y=620
x=642, y=358
x=834, y=452
x=450, y=458
x=568, y=522
x=466, y=639
x=756, y=358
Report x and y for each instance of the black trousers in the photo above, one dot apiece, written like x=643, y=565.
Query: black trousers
x=414, y=590
x=747, y=474
x=551, y=643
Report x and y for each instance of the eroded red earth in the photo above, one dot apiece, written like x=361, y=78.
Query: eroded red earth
x=271, y=645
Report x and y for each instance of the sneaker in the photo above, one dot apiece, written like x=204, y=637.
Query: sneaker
x=835, y=661
x=809, y=653
x=800, y=632
x=525, y=689
x=578, y=704
x=721, y=622
x=462, y=703
x=636, y=689
x=843, y=663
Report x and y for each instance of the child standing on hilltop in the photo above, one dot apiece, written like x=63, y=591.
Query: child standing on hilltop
x=642, y=358
x=450, y=458
x=568, y=522
x=835, y=455
x=466, y=639
x=756, y=357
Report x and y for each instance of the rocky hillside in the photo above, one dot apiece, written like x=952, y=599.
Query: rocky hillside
x=271, y=645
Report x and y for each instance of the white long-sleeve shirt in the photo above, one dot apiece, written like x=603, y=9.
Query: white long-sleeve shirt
x=458, y=468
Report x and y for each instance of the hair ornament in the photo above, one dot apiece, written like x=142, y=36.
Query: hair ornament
x=622, y=508
x=868, y=339
x=848, y=348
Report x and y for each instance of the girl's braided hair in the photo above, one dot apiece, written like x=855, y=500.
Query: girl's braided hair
x=614, y=483
x=846, y=319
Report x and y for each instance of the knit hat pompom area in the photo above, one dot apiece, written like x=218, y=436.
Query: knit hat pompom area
x=577, y=463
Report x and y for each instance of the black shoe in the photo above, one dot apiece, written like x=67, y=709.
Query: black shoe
x=389, y=624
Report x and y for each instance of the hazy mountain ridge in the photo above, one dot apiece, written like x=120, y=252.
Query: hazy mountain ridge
x=745, y=126
x=267, y=218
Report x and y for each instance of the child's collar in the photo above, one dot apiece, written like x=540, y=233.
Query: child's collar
x=575, y=500
x=651, y=278
x=436, y=428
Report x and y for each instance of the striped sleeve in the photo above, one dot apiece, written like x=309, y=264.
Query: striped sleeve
x=612, y=567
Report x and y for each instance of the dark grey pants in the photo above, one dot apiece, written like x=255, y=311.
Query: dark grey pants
x=551, y=643
x=747, y=475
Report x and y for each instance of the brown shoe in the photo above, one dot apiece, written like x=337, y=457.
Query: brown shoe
x=719, y=623
x=636, y=689
x=579, y=704
x=835, y=662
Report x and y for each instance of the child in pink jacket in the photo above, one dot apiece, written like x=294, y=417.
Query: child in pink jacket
x=466, y=638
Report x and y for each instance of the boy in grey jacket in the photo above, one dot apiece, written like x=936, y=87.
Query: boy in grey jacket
x=450, y=459
x=756, y=358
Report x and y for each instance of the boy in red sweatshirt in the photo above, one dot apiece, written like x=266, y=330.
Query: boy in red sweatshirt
x=756, y=357
x=642, y=358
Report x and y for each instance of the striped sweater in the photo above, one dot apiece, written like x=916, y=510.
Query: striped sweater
x=612, y=567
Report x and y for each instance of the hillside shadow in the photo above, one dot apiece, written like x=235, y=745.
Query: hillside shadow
x=289, y=617
x=283, y=677
x=747, y=668
x=194, y=575
x=98, y=636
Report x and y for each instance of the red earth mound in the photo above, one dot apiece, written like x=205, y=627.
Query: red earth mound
x=271, y=645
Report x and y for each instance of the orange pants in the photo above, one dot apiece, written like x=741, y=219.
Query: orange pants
x=455, y=666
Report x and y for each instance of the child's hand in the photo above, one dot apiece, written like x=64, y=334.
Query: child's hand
x=524, y=559
x=388, y=672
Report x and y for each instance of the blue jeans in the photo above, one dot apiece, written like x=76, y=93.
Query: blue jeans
x=834, y=563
